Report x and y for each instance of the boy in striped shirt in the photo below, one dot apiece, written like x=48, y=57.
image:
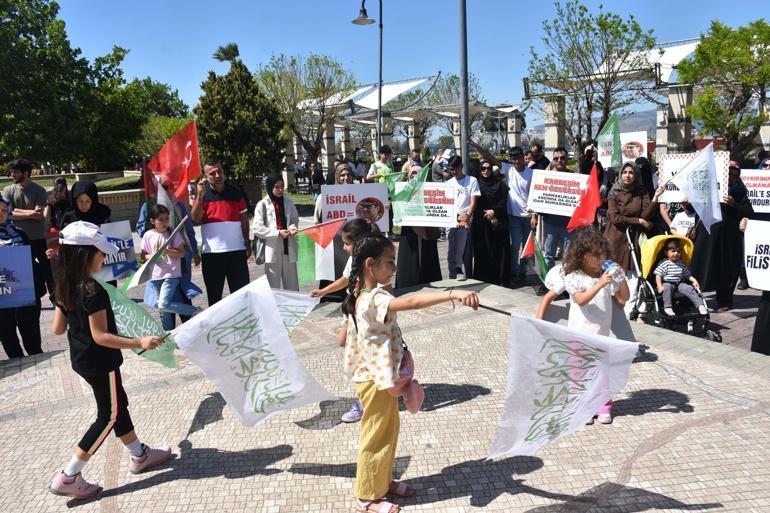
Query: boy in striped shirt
x=671, y=272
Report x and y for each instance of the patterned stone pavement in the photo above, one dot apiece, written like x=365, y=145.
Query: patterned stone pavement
x=691, y=430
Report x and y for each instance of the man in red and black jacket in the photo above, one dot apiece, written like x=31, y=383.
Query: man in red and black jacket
x=220, y=209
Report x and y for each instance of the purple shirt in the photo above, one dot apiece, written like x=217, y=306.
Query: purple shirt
x=166, y=266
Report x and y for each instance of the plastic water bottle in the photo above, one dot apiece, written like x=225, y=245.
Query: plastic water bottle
x=615, y=271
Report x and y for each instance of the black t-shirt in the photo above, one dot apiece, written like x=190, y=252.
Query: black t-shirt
x=87, y=356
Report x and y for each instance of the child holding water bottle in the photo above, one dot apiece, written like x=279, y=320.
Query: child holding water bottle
x=593, y=283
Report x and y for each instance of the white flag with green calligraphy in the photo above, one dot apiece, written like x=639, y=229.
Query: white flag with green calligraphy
x=242, y=345
x=557, y=379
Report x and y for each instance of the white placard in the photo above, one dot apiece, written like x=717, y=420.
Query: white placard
x=632, y=146
x=432, y=204
x=757, y=184
x=671, y=163
x=756, y=244
x=555, y=192
x=124, y=261
x=357, y=200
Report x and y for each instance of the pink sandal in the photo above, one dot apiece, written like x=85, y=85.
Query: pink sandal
x=378, y=506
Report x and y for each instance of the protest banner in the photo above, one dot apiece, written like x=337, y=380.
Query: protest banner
x=756, y=248
x=132, y=320
x=757, y=184
x=124, y=261
x=556, y=192
x=241, y=345
x=431, y=204
x=671, y=163
x=145, y=272
x=367, y=201
x=632, y=146
x=17, y=284
x=557, y=380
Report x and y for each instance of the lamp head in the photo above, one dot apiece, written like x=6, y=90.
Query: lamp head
x=363, y=18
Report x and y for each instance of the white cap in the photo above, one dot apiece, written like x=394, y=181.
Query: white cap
x=82, y=233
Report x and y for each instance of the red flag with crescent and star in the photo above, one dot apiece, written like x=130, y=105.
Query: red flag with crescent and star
x=178, y=161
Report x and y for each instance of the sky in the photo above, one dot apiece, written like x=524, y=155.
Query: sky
x=172, y=41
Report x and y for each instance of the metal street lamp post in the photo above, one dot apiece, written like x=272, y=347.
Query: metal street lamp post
x=364, y=19
x=464, y=118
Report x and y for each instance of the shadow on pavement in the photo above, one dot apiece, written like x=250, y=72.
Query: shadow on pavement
x=443, y=395
x=202, y=464
x=652, y=400
x=209, y=411
x=13, y=366
x=612, y=497
x=437, y=395
x=330, y=414
x=345, y=469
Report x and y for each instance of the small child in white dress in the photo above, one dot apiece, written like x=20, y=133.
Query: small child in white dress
x=592, y=290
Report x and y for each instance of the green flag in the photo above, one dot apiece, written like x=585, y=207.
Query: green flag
x=609, y=137
x=401, y=200
x=391, y=179
x=133, y=320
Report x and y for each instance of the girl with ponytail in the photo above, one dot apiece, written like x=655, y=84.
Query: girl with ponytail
x=373, y=354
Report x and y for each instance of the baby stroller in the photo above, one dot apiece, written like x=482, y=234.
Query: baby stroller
x=649, y=303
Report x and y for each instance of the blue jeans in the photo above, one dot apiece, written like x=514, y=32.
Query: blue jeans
x=457, y=238
x=520, y=228
x=164, y=291
x=555, y=231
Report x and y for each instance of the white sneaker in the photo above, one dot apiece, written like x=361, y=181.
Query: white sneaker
x=669, y=312
x=461, y=277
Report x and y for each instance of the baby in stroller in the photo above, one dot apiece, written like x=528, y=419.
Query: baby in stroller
x=672, y=275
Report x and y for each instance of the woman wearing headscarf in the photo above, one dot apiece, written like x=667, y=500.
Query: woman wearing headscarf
x=418, y=260
x=24, y=318
x=628, y=206
x=59, y=201
x=489, y=232
x=718, y=256
x=86, y=206
x=343, y=175
x=275, y=222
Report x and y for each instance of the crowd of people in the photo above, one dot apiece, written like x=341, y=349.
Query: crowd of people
x=493, y=223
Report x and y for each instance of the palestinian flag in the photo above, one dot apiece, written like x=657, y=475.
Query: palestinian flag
x=315, y=258
x=532, y=249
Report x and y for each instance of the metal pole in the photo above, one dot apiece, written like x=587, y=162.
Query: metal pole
x=379, y=89
x=464, y=125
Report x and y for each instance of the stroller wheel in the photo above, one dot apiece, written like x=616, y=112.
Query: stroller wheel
x=713, y=336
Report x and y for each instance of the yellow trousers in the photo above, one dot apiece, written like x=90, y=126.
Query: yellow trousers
x=377, y=441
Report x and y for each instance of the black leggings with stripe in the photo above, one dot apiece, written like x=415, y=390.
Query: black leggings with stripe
x=111, y=410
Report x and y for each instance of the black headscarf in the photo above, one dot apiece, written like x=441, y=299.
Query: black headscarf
x=270, y=182
x=98, y=214
x=489, y=186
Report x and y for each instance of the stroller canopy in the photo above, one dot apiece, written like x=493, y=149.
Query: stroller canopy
x=651, y=248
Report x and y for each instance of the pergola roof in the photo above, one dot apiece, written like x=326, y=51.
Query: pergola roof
x=365, y=96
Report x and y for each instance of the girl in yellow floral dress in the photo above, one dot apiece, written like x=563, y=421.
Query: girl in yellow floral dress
x=373, y=353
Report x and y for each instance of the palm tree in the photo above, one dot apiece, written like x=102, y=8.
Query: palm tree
x=228, y=53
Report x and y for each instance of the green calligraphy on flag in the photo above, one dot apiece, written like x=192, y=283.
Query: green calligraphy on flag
x=134, y=321
x=609, y=136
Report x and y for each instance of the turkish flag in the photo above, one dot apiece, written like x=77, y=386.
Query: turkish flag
x=324, y=233
x=585, y=212
x=177, y=161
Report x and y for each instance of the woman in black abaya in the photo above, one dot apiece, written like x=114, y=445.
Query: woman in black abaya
x=718, y=256
x=489, y=232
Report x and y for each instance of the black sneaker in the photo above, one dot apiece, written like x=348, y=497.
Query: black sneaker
x=742, y=285
x=542, y=290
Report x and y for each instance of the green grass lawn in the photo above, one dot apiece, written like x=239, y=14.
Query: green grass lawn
x=301, y=199
x=43, y=181
x=119, y=184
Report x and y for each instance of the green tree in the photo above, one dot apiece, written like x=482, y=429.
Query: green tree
x=158, y=99
x=154, y=134
x=589, y=54
x=44, y=84
x=237, y=123
x=308, y=90
x=731, y=71
x=446, y=141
